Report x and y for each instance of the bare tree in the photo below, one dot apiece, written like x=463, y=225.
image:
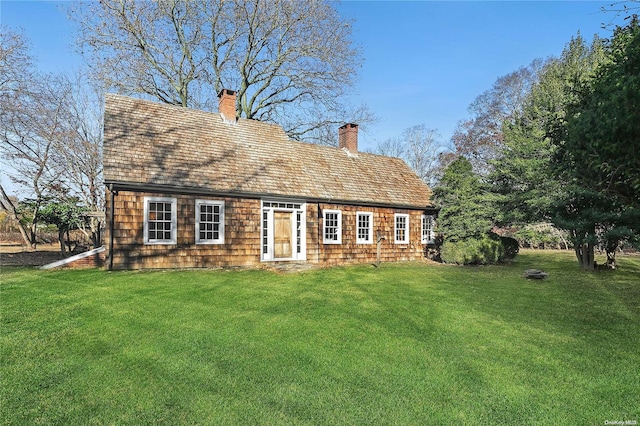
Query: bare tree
x=290, y=62
x=7, y=204
x=15, y=62
x=81, y=152
x=480, y=137
x=34, y=122
x=50, y=133
x=420, y=147
x=155, y=48
x=15, y=72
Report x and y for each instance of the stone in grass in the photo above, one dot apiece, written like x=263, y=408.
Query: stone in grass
x=535, y=274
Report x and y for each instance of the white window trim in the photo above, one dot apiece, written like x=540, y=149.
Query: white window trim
x=174, y=222
x=395, y=228
x=358, y=239
x=324, y=227
x=426, y=239
x=219, y=203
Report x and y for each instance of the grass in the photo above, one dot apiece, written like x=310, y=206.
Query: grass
x=401, y=344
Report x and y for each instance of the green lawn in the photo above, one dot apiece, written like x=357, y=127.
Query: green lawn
x=400, y=344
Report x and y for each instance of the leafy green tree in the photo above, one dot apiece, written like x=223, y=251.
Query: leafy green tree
x=599, y=153
x=537, y=174
x=594, y=219
x=524, y=174
x=603, y=129
x=466, y=217
x=66, y=215
x=466, y=203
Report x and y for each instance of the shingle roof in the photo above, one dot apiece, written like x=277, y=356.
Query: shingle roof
x=152, y=144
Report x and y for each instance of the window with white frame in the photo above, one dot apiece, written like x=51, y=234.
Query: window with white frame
x=401, y=228
x=160, y=220
x=209, y=222
x=364, y=228
x=427, y=229
x=332, y=226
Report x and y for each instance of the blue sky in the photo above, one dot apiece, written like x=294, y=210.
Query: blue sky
x=425, y=61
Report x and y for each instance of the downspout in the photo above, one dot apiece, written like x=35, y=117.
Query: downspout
x=111, y=226
x=319, y=233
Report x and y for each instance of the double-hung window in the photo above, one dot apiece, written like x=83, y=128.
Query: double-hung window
x=160, y=220
x=401, y=228
x=209, y=222
x=332, y=226
x=364, y=228
x=427, y=229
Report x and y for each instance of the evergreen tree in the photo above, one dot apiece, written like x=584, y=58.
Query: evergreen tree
x=466, y=208
x=524, y=174
x=599, y=153
x=466, y=217
x=603, y=128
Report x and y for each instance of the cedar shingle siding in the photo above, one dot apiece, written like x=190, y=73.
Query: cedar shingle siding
x=152, y=149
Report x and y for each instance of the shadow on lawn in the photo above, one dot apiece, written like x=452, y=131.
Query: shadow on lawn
x=598, y=308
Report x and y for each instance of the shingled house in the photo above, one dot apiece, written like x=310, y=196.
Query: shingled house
x=188, y=189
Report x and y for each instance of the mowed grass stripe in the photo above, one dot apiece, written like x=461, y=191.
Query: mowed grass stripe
x=401, y=344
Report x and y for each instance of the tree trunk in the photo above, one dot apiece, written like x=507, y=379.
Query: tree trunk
x=585, y=255
x=611, y=259
x=11, y=208
x=34, y=223
x=566, y=246
x=96, y=234
x=63, y=247
x=33, y=232
x=610, y=249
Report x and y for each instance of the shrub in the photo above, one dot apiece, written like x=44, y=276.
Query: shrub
x=486, y=250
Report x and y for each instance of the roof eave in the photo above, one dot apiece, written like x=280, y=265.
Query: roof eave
x=173, y=189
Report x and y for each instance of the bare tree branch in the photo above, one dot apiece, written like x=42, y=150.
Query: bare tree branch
x=420, y=147
x=281, y=56
x=50, y=132
x=480, y=137
x=8, y=205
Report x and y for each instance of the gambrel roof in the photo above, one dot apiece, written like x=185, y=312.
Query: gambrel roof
x=153, y=146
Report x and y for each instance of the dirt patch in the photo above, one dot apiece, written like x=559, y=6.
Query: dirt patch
x=16, y=255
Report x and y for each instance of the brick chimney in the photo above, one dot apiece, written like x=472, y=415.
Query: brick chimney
x=348, y=137
x=227, y=105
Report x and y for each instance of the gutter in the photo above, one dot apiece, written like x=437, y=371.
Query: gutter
x=144, y=187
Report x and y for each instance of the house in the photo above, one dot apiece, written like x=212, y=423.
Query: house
x=189, y=189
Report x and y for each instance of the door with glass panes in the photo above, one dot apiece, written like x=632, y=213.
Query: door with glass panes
x=283, y=232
